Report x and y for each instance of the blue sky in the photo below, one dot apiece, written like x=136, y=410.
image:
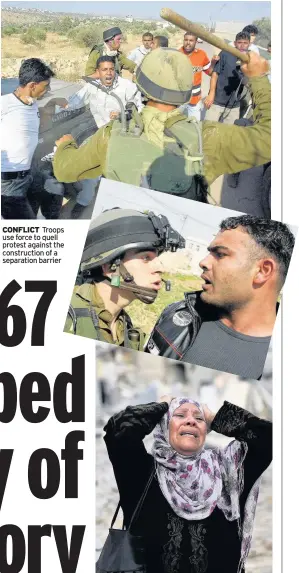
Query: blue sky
x=197, y=10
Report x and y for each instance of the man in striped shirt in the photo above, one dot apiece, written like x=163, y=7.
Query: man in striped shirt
x=200, y=63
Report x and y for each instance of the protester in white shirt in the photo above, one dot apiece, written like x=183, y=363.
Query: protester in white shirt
x=138, y=54
x=20, y=126
x=104, y=108
x=103, y=105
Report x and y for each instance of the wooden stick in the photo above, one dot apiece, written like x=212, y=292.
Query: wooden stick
x=201, y=32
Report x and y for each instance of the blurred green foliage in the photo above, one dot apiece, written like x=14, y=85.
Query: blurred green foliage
x=34, y=36
x=264, y=28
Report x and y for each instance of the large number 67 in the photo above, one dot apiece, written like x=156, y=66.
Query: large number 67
x=49, y=289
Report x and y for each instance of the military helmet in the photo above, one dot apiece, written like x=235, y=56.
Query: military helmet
x=114, y=232
x=111, y=33
x=166, y=75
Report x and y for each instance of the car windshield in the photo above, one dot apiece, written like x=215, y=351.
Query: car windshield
x=58, y=89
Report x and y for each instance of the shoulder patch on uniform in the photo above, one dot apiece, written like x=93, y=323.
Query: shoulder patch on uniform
x=153, y=348
x=182, y=318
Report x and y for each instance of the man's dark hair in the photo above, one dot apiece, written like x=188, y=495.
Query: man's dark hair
x=190, y=34
x=147, y=35
x=272, y=236
x=105, y=59
x=243, y=36
x=251, y=29
x=34, y=70
x=162, y=40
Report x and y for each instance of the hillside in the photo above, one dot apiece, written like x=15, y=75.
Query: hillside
x=64, y=41
x=64, y=55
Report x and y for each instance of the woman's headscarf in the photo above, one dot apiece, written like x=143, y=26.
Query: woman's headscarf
x=195, y=484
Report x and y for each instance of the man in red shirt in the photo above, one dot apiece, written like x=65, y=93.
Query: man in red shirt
x=200, y=63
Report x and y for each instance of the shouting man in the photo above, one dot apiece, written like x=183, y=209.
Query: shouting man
x=228, y=324
x=200, y=63
x=105, y=92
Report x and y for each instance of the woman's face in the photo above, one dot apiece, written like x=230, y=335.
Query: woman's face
x=187, y=429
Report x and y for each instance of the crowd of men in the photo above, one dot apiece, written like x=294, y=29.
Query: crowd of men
x=111, y=98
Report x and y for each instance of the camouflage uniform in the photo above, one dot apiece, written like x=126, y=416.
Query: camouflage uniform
x=120, y=60
x=110, y=236
x=167, y=151
x=85, y=298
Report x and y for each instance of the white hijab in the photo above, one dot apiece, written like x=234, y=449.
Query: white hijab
x=194, y=485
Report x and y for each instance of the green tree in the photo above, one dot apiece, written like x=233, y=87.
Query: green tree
x=34, y=36
x=64, y=25
x=173, y=30
x=9, y=30
x=87, y=35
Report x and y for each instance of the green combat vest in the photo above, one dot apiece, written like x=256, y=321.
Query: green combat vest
x=177, y=168
x=82, y=320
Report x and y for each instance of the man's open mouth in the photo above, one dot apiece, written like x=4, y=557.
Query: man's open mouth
x=206, y=283
x=157, y=284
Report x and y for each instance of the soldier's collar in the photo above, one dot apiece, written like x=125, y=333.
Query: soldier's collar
x=89, y=293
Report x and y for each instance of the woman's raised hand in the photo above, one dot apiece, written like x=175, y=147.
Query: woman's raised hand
x=209, y=415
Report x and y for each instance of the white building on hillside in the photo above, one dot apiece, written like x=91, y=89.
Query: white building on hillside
x=165, y=25
x=195, y=250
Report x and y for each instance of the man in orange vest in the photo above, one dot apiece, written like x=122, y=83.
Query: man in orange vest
x=200, y=63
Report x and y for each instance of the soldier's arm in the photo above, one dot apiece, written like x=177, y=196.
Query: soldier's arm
x=72, y=163
x=231, y=148
x=126, y=63
x=92, y=62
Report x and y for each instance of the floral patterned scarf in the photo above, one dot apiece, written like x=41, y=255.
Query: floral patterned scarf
x=194, y=485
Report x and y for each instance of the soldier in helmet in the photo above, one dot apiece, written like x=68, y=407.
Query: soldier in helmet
x=162, y=149
x=120, y=264
x=109, y=47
